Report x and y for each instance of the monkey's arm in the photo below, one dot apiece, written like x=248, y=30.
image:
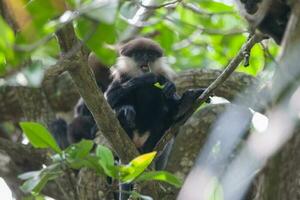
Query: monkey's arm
x=187, y=100
x=119, y=90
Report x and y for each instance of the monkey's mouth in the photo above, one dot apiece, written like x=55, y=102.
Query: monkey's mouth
x=145, y=68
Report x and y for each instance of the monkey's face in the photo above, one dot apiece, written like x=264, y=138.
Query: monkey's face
x=137, y=62
x=144, y=59
x=140, y=56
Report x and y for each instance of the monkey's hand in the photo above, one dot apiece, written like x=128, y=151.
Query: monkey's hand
x=187, y=100
x=122, y=88
x=169, y=89
x=126, y=115
x=145, y=79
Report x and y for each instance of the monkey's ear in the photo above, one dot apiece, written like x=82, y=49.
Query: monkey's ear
x=102, y=72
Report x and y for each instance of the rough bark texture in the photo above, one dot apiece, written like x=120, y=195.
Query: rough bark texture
x=233, y=86
x=62, y=94
x=281, y=177
x=192, y=135
x=188, y=79
x=85, y=82
x=34, y=105
x=279, y=180
x=16, y=159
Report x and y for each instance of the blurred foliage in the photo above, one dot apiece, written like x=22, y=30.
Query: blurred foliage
x=194, y=33
x=81, y=155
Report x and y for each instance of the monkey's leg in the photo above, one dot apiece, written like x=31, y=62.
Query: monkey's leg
x=126, y=115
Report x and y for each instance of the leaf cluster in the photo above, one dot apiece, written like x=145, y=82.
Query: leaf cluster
x=85, y=155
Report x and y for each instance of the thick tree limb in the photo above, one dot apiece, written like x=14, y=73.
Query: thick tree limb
x=14, y=163
x=187, y=79
x=17, y=159
x=83, y=78
x=105, y=119
x=62, y=95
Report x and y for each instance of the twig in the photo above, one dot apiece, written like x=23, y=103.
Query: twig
x=205, y=30
x=268, y=54
x=158, y=6
x=199, y=11
x=209, y=90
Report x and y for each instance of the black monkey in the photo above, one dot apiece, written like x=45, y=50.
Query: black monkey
x=144, y=97
x=142, y=93
x=145, y=102
x=269, y=16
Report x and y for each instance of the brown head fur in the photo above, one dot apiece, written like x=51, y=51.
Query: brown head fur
x=140, y=44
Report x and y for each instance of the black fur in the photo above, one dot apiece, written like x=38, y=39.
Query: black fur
x=275, y=17
x=141, y=106
x=58, y=128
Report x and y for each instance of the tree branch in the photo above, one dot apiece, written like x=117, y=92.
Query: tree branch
x=205, y=95
x=85, y=82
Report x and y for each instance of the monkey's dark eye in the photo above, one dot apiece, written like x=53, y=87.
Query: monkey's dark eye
x=144, y=56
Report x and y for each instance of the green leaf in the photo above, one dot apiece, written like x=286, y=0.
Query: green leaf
x=36, y=184
x=158, y=85
x=104, y=11
x=41, y=12
x=29, y=175
x=39, y=136
x=215, y=6
x=97, y=37
x=136, y=167
x=7, y=39
x=161, y=176
x=105, y=155
x=79, y=150
x=78, y=156
x=128, y=9
x=90, y=162
x=106, y=160
x=29, y=185
x=216, y=190
x=36, y=180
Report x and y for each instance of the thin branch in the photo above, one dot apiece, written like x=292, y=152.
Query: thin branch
x=268, y=54
x=31, y=47
x=209, y=90
x=142, y=14
x=158, y=6
x=205, y=30
x=197, y=10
